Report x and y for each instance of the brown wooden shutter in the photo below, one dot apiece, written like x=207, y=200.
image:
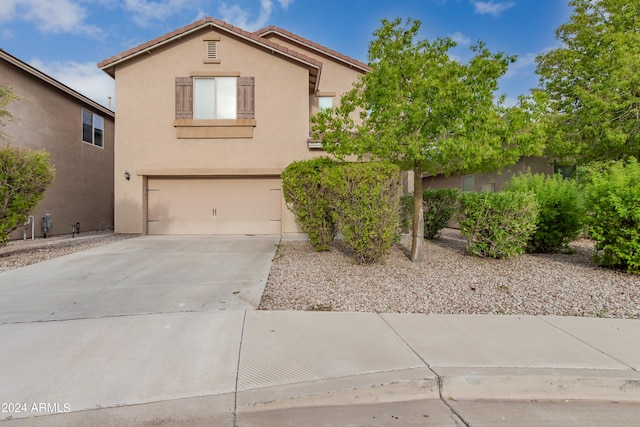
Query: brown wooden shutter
x=246, y=104
x=184, y=98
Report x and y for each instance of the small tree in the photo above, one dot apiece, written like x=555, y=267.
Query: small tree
x=7, y=95
x=24, y=177
x=427, y=112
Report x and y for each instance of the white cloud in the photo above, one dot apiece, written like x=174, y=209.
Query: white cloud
x=7, y=34
x=285, y=3
x=460, y=38
x=524, y=64
x=144, y=11
x=243, y=18
x=491, y=7
x=50, y=16
x=83, y=77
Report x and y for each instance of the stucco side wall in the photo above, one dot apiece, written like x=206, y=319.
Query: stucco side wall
x=146, y=141
x=337, y=77
x=48, y=118
x=493, y=181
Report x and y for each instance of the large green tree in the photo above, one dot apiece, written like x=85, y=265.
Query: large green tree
x=424, y=110
x=592, y=82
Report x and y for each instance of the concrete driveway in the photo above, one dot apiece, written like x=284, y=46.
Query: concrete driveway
x=149, y=319
x=150, y=274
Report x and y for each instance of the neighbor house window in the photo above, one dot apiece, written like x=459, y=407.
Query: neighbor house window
x=325, y=102
x=92, y=128
x=215, y=98
x=468, y=183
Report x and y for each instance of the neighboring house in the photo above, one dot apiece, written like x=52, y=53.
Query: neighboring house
x=493, y=181
x=78, y=134
x=209, y=116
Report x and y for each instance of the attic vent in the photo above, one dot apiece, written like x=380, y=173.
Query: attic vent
x=212, y=49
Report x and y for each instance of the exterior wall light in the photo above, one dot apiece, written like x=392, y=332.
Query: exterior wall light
x=127, y=175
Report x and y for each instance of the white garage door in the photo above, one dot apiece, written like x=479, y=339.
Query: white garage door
x=214, y=206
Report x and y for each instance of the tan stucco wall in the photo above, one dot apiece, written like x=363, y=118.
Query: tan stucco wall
x=48, y=118
x=495, y=181
x=146, y=141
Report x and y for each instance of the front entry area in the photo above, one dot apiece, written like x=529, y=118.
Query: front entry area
x=214, y=205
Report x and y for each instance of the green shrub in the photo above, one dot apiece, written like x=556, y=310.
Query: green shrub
x=439, y=206
x=498, y=225
x=365, y=198
x=307, y=199
x=561, y=217
x=613, y=206
x=24, y=177
x=406, y=213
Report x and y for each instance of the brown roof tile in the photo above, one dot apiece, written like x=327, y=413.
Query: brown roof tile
x=202, y=23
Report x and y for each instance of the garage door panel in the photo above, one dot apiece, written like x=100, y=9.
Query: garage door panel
x=214, y=206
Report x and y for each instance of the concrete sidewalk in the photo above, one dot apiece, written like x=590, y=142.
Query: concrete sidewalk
x=134, y=369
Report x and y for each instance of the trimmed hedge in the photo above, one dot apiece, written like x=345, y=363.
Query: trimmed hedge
x=439, y=205
x=561, y=218
x=498, y=225
x=309, y=201
x=365, y=198
x=613, y=206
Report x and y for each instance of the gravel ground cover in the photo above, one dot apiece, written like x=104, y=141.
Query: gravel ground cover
x=446, y=281
x=450, y=281
x=20, y=253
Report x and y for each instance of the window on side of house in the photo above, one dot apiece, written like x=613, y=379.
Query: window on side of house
x=207, y=98
x=325, y=102
x=92, y=128
x=468, y=183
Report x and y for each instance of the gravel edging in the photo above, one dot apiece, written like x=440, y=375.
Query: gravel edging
x=20, y=253
x=450, y=281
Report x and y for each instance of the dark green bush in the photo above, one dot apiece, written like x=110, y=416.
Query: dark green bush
x=613, y=207
x=498, y=225
x=406, y=213
x=24, y=177
x=561, y=217
x=439, y=206
x=365, y=198
x=307, y=199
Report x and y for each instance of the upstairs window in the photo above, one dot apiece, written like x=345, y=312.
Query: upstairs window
x=325, y=102
x=92, y=128
x=207, y=98
x=214, y=98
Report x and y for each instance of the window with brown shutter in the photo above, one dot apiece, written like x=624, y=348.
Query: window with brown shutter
x=246, y=104
x=205, y=106
x=184, y=98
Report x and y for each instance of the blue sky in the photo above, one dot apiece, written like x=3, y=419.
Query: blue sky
x=67, y=38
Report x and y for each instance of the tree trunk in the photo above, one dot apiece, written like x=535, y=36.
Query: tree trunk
x=417, y=243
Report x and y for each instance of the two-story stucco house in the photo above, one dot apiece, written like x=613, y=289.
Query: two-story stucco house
x=78, y=134
x=209, y=116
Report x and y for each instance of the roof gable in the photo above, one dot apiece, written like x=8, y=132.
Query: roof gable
x=323, y=50
x=314, y=66
x=53, y=82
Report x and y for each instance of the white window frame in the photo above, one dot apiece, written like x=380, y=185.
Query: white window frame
x=327, y=101
x=210, y=94
x=97, y=124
